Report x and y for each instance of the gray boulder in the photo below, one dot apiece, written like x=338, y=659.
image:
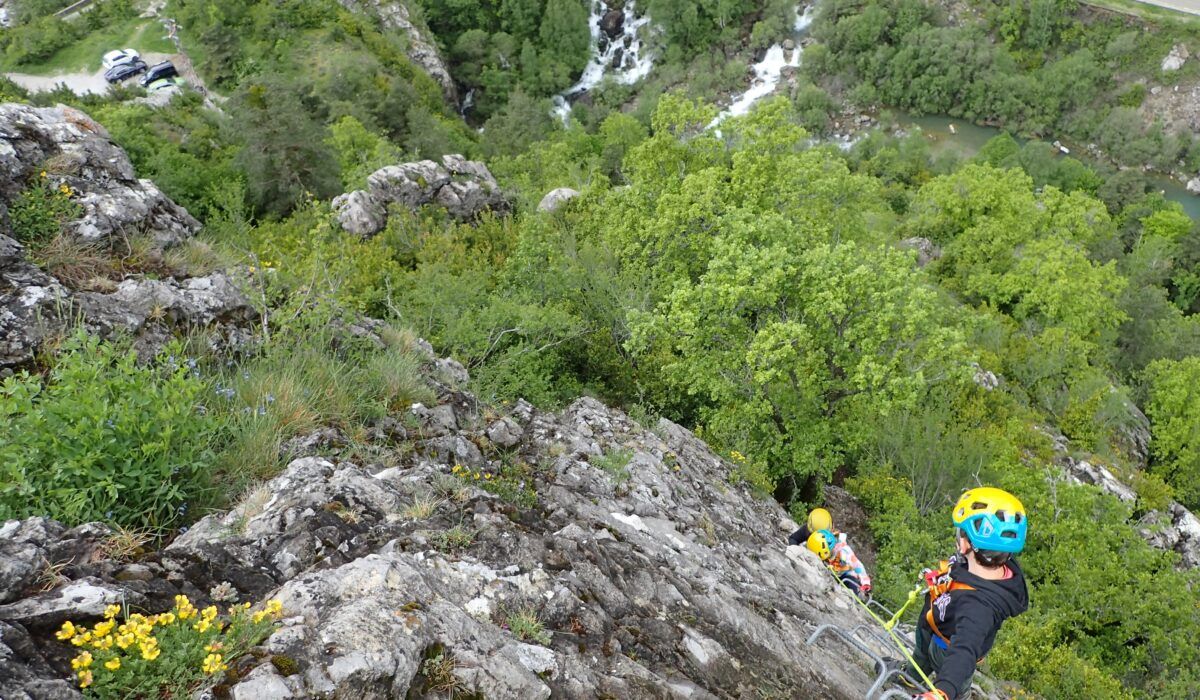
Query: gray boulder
x=1176, y=530
x=464, y=188
x=541, y=572
x=33, y=306
x=612, y=23
x=927, y=252
x=77, y=152
x=360, y=213
x=1175, y=59
x=556, y=198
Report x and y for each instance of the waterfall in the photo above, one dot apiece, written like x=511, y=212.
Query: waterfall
x=768, y=70
x=625, y=55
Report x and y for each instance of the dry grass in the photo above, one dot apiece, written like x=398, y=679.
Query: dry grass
x=421, y=508
x=76, y=263
x=124, y=544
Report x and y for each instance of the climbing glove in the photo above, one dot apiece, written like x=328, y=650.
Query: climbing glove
x=934, y=694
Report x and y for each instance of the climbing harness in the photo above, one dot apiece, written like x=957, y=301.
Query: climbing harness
x=888, y=625
x=939, y=582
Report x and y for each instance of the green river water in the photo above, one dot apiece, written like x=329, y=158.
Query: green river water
x=969, y=138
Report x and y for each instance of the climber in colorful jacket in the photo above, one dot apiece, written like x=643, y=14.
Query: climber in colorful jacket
x=818, y=519
x=839, y=557
x=971, y=595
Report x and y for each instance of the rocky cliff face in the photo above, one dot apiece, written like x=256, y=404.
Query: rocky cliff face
x=63, y=147
x=653, y=574
x=422, y=47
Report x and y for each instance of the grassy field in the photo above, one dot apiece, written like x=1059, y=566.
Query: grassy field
x=144, y=35
x=1145, y=11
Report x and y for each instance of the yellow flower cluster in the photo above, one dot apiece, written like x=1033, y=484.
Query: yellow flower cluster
x=738, y=457
x=135, y=637
x=469, y=473
x=213, y=664
x=273, y=610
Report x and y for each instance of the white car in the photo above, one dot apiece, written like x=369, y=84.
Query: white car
x=119, y=57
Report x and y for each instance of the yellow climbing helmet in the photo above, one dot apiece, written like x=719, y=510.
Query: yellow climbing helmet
x=819, y=519
x=993, y=519
x=821, y=543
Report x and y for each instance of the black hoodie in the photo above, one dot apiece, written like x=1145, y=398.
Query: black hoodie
x=971, y=619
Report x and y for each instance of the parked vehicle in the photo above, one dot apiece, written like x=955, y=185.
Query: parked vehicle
x=159, y=71
x=124, y=71
x=118, y=57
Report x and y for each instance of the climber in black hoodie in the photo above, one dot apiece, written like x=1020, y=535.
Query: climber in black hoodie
x=972, y=595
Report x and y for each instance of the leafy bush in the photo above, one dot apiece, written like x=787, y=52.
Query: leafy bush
x=39, y=213
x=1174, y=412
x=102, y=437
x=169, y=655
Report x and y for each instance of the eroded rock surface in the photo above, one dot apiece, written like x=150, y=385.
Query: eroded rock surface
x=464, y=188
x=421, y=47
x=74, y=150
x=651, y=573
x=62, y=148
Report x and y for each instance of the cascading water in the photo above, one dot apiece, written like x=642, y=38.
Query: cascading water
x=768, y=70
x=623, y=54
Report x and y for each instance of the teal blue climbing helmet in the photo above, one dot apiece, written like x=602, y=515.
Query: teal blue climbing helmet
x=993, y=520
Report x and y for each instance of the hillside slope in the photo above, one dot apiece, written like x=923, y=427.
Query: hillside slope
x=653, y=575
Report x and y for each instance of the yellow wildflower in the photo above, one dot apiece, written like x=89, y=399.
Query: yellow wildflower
x=113, y=664
x=85, y=679
x=112, y=611
x=82, y=661
x=82, y=638
x=103, y=643
x=476, y=477
x=43, y=174
x=150, y=649
x=125, y=640
x=67, y=631
x=103, y=628
x=209, y=613
x=215, y=646
x=212, y=664
x=258, y=616
x=166, y=618
x=202, y=626
x=274, y=607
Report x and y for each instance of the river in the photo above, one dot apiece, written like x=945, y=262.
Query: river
x=969, y=138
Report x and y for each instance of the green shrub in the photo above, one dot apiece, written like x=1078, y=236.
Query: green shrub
x=1174, y=412
x=39, y=213
x=102, y=437
x=1027, y=653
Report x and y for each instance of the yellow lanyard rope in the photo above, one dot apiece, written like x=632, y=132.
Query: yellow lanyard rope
x=888, y=625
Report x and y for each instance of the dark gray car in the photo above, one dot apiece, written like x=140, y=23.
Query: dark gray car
x=124, y=71
x=159, y=71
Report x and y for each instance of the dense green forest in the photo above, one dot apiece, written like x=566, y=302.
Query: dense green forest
x=753, y=284
x=1039, y=68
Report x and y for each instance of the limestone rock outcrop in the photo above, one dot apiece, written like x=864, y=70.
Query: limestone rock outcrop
x=649, y=572
x=421, y=47
x=464, y=188
x=61, y=147
x=74, y=150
